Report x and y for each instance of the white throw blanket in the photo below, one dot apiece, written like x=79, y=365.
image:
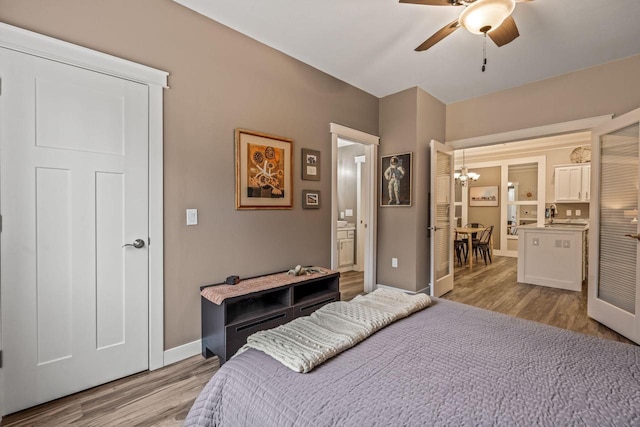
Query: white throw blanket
x=306, y=342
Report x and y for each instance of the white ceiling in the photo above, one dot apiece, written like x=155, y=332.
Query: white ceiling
x=370, y=43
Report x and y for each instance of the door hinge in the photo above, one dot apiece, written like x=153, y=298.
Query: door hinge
x=0, y=223
x=148, y=241
x=0, y=358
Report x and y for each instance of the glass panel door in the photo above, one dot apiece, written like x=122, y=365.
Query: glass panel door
x=614, y=235
x=618, y=218
x=441, y=219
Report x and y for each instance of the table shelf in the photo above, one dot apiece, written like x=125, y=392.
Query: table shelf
x=226, y=326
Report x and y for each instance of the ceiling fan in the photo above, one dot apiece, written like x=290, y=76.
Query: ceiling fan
x=488, y=17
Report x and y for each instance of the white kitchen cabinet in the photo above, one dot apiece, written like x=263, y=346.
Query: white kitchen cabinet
x=572, y=183
x=586, y=183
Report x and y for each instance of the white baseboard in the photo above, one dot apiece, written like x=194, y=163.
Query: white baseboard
x=185, y=351
x=421, y=291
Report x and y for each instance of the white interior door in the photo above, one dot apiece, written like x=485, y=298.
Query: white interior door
x=74, y=189
x=362, y=207
x=614, y=277
x=441, y=219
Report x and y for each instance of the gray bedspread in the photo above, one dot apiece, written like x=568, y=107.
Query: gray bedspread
x=450, y=364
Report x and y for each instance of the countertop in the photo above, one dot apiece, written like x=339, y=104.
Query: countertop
x=571, y=226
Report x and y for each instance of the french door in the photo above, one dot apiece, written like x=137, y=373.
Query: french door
x=441, y=219
x=614, y=276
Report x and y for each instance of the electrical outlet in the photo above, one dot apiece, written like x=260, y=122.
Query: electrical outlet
x=394, y=262
x=558, y=243
x=568, y=212
x=578, y=212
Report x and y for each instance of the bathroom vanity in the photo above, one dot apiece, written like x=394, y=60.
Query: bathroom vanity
x=553, y=255
x=346, y=245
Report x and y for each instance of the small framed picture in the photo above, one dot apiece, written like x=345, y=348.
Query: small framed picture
x=310, y=199
x=484, y=196
x=310, y=165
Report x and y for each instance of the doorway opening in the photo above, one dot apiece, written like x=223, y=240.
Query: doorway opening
x=353, y=208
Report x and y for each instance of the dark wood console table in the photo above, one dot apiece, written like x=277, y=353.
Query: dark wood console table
x=230, y=313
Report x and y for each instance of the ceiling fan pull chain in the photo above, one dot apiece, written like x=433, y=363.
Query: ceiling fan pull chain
x=484, y=52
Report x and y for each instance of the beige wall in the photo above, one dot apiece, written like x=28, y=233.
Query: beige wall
x=487, y=215
x=408, y=121
x=431, y=125
x=220, y=80
x=397, y=224
x=605, y=89
x=348, y=180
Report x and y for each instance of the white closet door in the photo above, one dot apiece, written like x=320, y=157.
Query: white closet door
x=614, y=276
x=74, y=189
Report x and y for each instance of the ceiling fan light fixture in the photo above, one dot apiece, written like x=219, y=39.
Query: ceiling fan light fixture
x=484, y=16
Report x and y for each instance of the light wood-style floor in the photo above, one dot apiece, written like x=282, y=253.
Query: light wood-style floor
x=351, y=284
x=163, y=397
x=495, y=287
x=158, y=398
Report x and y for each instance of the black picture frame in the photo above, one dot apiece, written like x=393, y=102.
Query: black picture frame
x=310, y=199
x=310, y=164
x=395, y=180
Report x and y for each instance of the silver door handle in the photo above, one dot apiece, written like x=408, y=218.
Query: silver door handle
x=138, y=243
x=633, y=236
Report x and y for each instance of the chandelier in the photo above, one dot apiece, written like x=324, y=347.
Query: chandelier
x=464, y=176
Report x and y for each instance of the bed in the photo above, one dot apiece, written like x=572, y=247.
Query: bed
x=449, y=364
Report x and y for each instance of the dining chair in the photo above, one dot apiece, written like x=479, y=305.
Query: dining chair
x=484, y=244
x=474, y=237
x=460, y=246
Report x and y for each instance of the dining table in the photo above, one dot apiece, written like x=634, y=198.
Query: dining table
x=469, y=231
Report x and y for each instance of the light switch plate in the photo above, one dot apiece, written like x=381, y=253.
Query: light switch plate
x=348, y=212
x=192, y=216
x=394, y=262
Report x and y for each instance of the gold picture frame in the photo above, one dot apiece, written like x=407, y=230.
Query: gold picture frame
x=264, y=171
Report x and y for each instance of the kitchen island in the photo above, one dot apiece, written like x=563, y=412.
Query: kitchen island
x=553, y=255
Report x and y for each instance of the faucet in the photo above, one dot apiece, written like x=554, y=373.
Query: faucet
x=552, y=212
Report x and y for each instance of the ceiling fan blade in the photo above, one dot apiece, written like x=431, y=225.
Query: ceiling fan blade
x=433, y=2
x=505, y=33
x=439, y=35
